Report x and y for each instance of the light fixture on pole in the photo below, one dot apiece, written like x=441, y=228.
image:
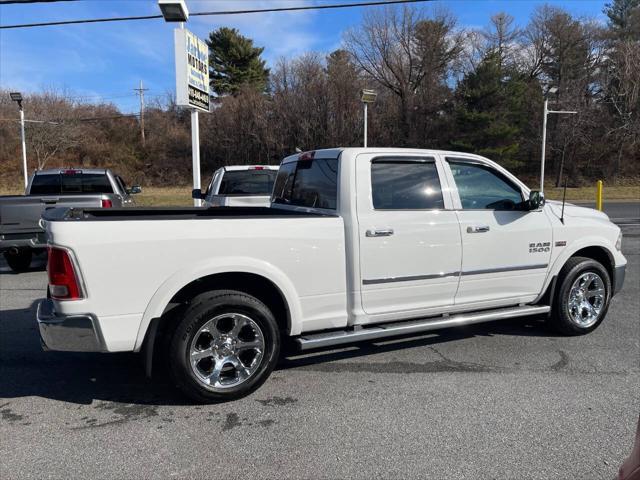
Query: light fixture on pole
x=17, y=97
x=174, y=10
x=546, y=112
x=367, y=97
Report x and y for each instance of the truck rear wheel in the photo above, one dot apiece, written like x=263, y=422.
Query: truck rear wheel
x=225, y=346
x=19, y=259
x=582, y=298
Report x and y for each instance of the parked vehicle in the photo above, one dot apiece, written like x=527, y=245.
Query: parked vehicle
x=240, y=186
x=20, y=230
x=359, y=244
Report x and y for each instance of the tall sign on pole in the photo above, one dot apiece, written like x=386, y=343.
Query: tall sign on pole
x=192, y=88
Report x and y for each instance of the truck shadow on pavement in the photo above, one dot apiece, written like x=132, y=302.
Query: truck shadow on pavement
x=80, y=378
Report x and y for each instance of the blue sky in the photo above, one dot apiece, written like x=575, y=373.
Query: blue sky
x=106, y=61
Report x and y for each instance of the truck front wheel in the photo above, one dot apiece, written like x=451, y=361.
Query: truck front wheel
x=225, y=346
x=19, y=259
x=582, y=298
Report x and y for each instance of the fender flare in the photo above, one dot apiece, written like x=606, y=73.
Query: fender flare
x=576, y=246
x=192, y=272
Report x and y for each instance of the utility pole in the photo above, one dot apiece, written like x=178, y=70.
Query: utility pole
x=17, y=97
x=141, y=91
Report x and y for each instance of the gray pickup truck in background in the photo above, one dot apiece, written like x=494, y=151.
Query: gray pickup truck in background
x=20, y=232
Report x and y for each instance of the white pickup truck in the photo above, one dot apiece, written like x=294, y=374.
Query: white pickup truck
x=358, y=244
x=239, y=186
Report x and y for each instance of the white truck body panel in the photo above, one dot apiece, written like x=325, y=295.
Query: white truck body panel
x=331, y=273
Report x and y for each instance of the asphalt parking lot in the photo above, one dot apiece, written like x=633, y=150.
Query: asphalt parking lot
x=502, y=400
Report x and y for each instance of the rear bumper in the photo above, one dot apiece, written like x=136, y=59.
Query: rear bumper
x=618, y=278
x=68, y=333
x=20, y=240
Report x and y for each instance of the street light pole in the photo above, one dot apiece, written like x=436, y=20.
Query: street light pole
x=545, y=114
x=365, y=124
x=17, y=97
x=544, y=141
x=367, y=97
x=24, y=149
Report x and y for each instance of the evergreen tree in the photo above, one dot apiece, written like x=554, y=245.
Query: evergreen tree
x=234, y=62
x=491, y=111
x=624, y=18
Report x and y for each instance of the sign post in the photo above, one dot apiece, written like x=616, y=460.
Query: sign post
x=192, y=89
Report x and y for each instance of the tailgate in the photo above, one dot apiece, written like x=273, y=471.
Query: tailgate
x=21, y=214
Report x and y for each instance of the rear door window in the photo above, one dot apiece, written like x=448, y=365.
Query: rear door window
x=309, y=183
x=405, y=184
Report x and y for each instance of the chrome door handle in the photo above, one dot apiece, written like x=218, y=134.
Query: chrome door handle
x=386, y=232
x=478, y=229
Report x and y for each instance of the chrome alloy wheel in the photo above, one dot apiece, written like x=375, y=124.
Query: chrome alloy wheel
x=586, y=299
x=226, y=351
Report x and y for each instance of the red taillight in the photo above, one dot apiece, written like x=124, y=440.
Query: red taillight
x=107, y=204
x=63, y=281
x=256, y=168
x=71, y=172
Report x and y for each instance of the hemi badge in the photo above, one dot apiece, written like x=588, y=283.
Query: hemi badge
x=561, y=243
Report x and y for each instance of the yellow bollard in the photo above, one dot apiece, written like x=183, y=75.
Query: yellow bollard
x=599, y=195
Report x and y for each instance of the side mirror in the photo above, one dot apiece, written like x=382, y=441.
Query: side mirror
x=198, y=194
x=536, y=200
x=135, y=190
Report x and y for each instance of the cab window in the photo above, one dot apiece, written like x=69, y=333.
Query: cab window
x=482, y=188
x=405, y=184
x=308, y=183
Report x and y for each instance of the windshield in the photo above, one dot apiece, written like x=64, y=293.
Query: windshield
x=247, y=182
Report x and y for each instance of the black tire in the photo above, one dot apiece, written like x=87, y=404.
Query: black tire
x=561, y=317
x=19, y=260
x=199, y=312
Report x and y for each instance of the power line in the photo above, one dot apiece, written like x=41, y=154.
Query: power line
x=218, y=13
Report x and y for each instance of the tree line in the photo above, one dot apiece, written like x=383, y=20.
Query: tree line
x=439, y=86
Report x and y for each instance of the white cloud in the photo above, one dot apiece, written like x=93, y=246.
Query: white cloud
x=280, y=33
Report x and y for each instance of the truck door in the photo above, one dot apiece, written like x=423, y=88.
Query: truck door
x=410, y=245
x=505, y=249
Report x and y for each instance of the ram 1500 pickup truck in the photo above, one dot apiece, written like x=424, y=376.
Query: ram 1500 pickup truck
x=20, y=229
x=358, y=244
x=239, y=186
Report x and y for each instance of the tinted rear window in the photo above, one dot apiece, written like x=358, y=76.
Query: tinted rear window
x=399, y=184
x=247, y=182
x=69, y=184
x=308, y=183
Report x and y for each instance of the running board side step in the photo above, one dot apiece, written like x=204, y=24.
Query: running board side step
x=341, y=337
